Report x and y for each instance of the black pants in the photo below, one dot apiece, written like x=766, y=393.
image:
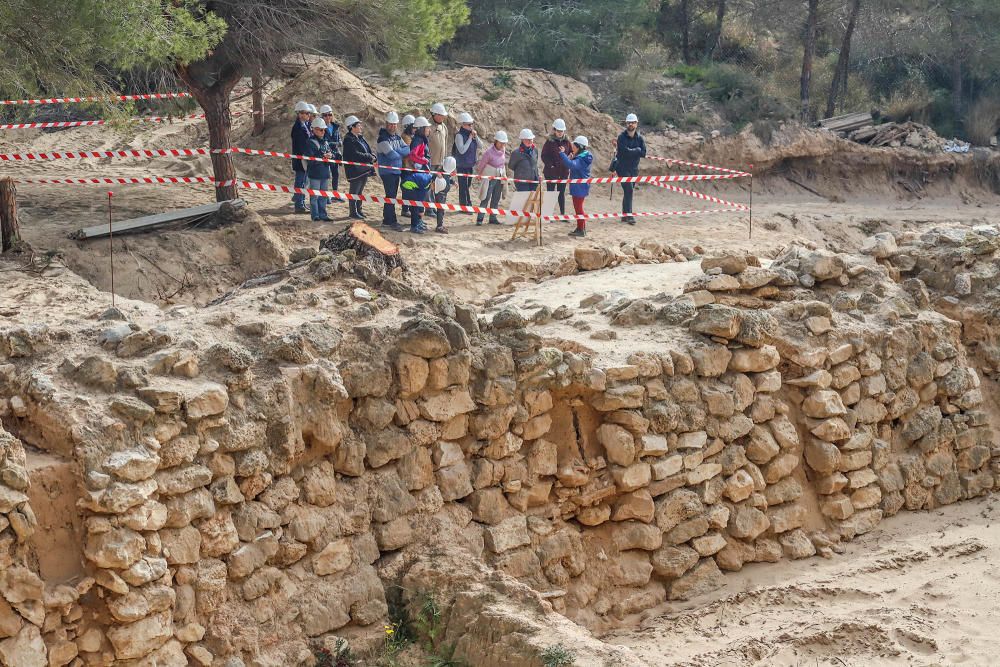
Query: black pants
x=525, y=187
x=440, y=198
x=357, y=187
x=561, y=187
x=464, y=183
x=391, y=184
x=628, y=189
x=335, y=174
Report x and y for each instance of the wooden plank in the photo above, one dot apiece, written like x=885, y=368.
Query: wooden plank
x=146, y=223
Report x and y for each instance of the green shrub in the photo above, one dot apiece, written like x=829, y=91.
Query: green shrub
x=557, y=656
x=982, y=121
x=651, y=112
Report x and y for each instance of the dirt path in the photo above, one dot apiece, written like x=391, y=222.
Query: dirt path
x=922, y=589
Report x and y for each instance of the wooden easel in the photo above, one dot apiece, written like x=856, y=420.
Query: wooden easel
x=533, y=205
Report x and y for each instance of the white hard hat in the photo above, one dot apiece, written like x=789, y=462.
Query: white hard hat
x=465, y=117
x=631, y=118
x=421, y=122
x=351, y=120
x=438, y=108
x=526, y=134
x=500, y=136
x=559, y=124
x=326, y=108
x=581, y=141
x=312, y=108
x=301, y=106
x=392, y=117
x=319, y=123
x=449, y=165
x=408, y=119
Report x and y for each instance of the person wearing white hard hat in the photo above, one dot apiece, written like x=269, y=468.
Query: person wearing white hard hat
x=336, y=143
x=578, y=160
x=630, y=147
x=319, y=171
x=438, y=137
x=442, y=186
x=356, y=149
x=524, y=162
x=300, y=146
x=466, y=153
x=407, y=135
x=419, y=148
x=391, y=153
x=492, y=163
x=552, y=165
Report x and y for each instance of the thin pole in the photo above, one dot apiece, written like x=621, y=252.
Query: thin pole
x=111, y=243
x=751, y=201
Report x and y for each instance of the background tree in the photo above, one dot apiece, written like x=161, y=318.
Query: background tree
x=262, y=32
x=69, y=46
x=838, y=87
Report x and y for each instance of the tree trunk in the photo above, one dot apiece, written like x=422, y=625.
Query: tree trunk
x=685, y=32
x=257, y=82
x=214, y=101
x=956, y=73
x=808, y=50
x=839, y=85
x=720, y=17
x=10, y=233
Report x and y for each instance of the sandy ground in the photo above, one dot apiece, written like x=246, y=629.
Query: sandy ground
x=921, y=589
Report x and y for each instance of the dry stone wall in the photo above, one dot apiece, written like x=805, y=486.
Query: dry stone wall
x=253, y=489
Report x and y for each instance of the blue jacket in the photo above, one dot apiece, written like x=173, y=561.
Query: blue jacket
x=333, y=137
x=300, y=143
x=391, y=151
x=579, y=167
x=630, y=151
x=416, y=184
x=317, y=148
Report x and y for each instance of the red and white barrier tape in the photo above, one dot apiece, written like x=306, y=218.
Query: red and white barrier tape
x=154, y=152
x=131, y=180
x=740, y=174
x=699, y=195
x=601, y=179
x=250, y=185
x=111, y=98
x=90, y=123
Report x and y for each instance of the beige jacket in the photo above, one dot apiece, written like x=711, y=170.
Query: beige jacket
x=437, y=140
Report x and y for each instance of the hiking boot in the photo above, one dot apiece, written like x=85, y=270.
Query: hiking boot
x=479, y=220
x=416, y=230
x=628, y=219
x=494, y=220
x=302, y=210
x=580, y=233
x=396, y=227
x=440, y=230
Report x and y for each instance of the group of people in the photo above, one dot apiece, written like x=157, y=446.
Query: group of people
x=416, y=162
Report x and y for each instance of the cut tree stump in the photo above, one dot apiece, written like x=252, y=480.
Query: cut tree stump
x=10, y=232
x=373, y=248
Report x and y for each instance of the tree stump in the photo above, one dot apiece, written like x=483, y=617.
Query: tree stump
x=10, y=233
x=371, y=247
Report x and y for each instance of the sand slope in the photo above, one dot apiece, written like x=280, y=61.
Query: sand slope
x=922, y=589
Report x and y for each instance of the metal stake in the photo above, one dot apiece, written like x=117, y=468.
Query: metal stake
x=111, y=243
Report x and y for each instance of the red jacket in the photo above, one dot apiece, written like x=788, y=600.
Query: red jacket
x=553, y=164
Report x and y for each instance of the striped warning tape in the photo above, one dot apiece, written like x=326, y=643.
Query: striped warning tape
x=739, y=174
x=601, y=179
x=699, y=195
x=250, y=185
x=100, y=98
x=154, y=152
x=113, y=180
x=91, y=123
